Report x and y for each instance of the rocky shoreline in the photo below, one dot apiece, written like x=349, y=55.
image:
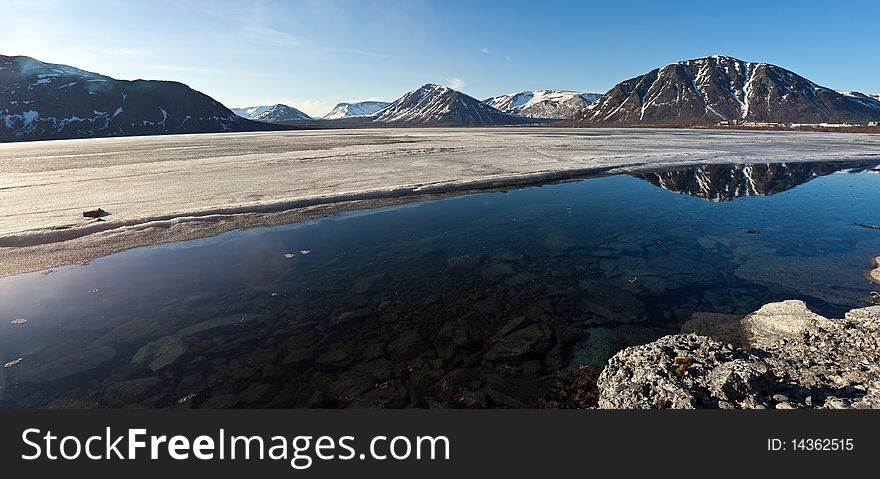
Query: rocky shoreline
x=782, y=356
x=874, y=273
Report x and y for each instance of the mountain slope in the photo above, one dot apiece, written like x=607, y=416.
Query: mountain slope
x=435, y=105
x=711, y=89
x=40, y=101
x=352, y=110
x=543, y=103
x=271, y=114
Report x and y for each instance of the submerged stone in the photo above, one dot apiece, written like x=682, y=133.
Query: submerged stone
x=594, y=351
x=160, y=354
x=613, y=304
x=68, y=366
x=215, y=325
x=525, y=343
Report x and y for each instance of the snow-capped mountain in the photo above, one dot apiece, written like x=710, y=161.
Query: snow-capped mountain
x=40, y=101
x=435, y=105
x=875, y=96
x=543, y=103
x=711, y=89
x=721, y=183
x=352, y=110
x=271, y=114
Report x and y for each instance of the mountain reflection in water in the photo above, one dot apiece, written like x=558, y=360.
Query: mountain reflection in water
x=727, y=182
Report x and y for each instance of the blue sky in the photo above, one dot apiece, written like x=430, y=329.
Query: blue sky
x=312, y=54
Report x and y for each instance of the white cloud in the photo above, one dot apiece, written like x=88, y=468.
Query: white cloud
x=316, y=108
x=455, y=83
x=484, y=50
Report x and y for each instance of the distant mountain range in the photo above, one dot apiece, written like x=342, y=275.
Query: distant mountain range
x=271, y=114
x=40, y=101
x=543, y=103
x=354, y=110
x=720, y=183
x=435, y=105
x=718, y=88
x=47, y=101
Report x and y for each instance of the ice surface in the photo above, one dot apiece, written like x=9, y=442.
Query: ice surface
x=144, y=180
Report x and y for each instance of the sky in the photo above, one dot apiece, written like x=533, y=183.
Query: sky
x=312, y=54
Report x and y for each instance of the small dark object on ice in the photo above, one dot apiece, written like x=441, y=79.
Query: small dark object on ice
x=98, y=213
x=874, y=297
x=870, y=227
x=753, y=232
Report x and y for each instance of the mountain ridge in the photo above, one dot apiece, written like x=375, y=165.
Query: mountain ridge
x=43, y=101
x=276, y=113
x=707, y=90
x=552, y=104
x=436, y=105
x=355, y=109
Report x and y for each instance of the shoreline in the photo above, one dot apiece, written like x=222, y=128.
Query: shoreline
x=246, y=180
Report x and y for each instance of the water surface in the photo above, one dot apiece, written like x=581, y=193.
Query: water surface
x=474, y=301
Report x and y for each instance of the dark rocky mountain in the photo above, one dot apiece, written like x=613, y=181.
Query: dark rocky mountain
x=721, y=183
x=354, y=110
x=278, y=113
x=554, y=104
x=435, y=105
x=41, y=101
x=712, y=89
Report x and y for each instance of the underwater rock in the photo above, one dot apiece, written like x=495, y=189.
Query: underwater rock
x=495, y=271
x=811, y=276
x=572, y=389
x=131, y=331
x=160, y=354
x=594, y=350
x=369, y=284
x=613, y=304
x=525, y=343
x=68, y=366
x=215, y=325
x=130, y=390
x=406, y=345
x=334, y=359
x=726, y=328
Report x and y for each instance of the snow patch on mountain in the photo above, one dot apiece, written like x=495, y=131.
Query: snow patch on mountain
x=718, y=88
x=436, y=105
x=355, y=109
x=543, y=103
x=277, y=113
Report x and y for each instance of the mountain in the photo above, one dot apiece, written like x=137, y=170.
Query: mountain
x=721, y=183
x=41, y=101
x=435, y=105
x=543, y=103
x=351, y=110
x=875, y=96
x=711, y=89
x=271, y=114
